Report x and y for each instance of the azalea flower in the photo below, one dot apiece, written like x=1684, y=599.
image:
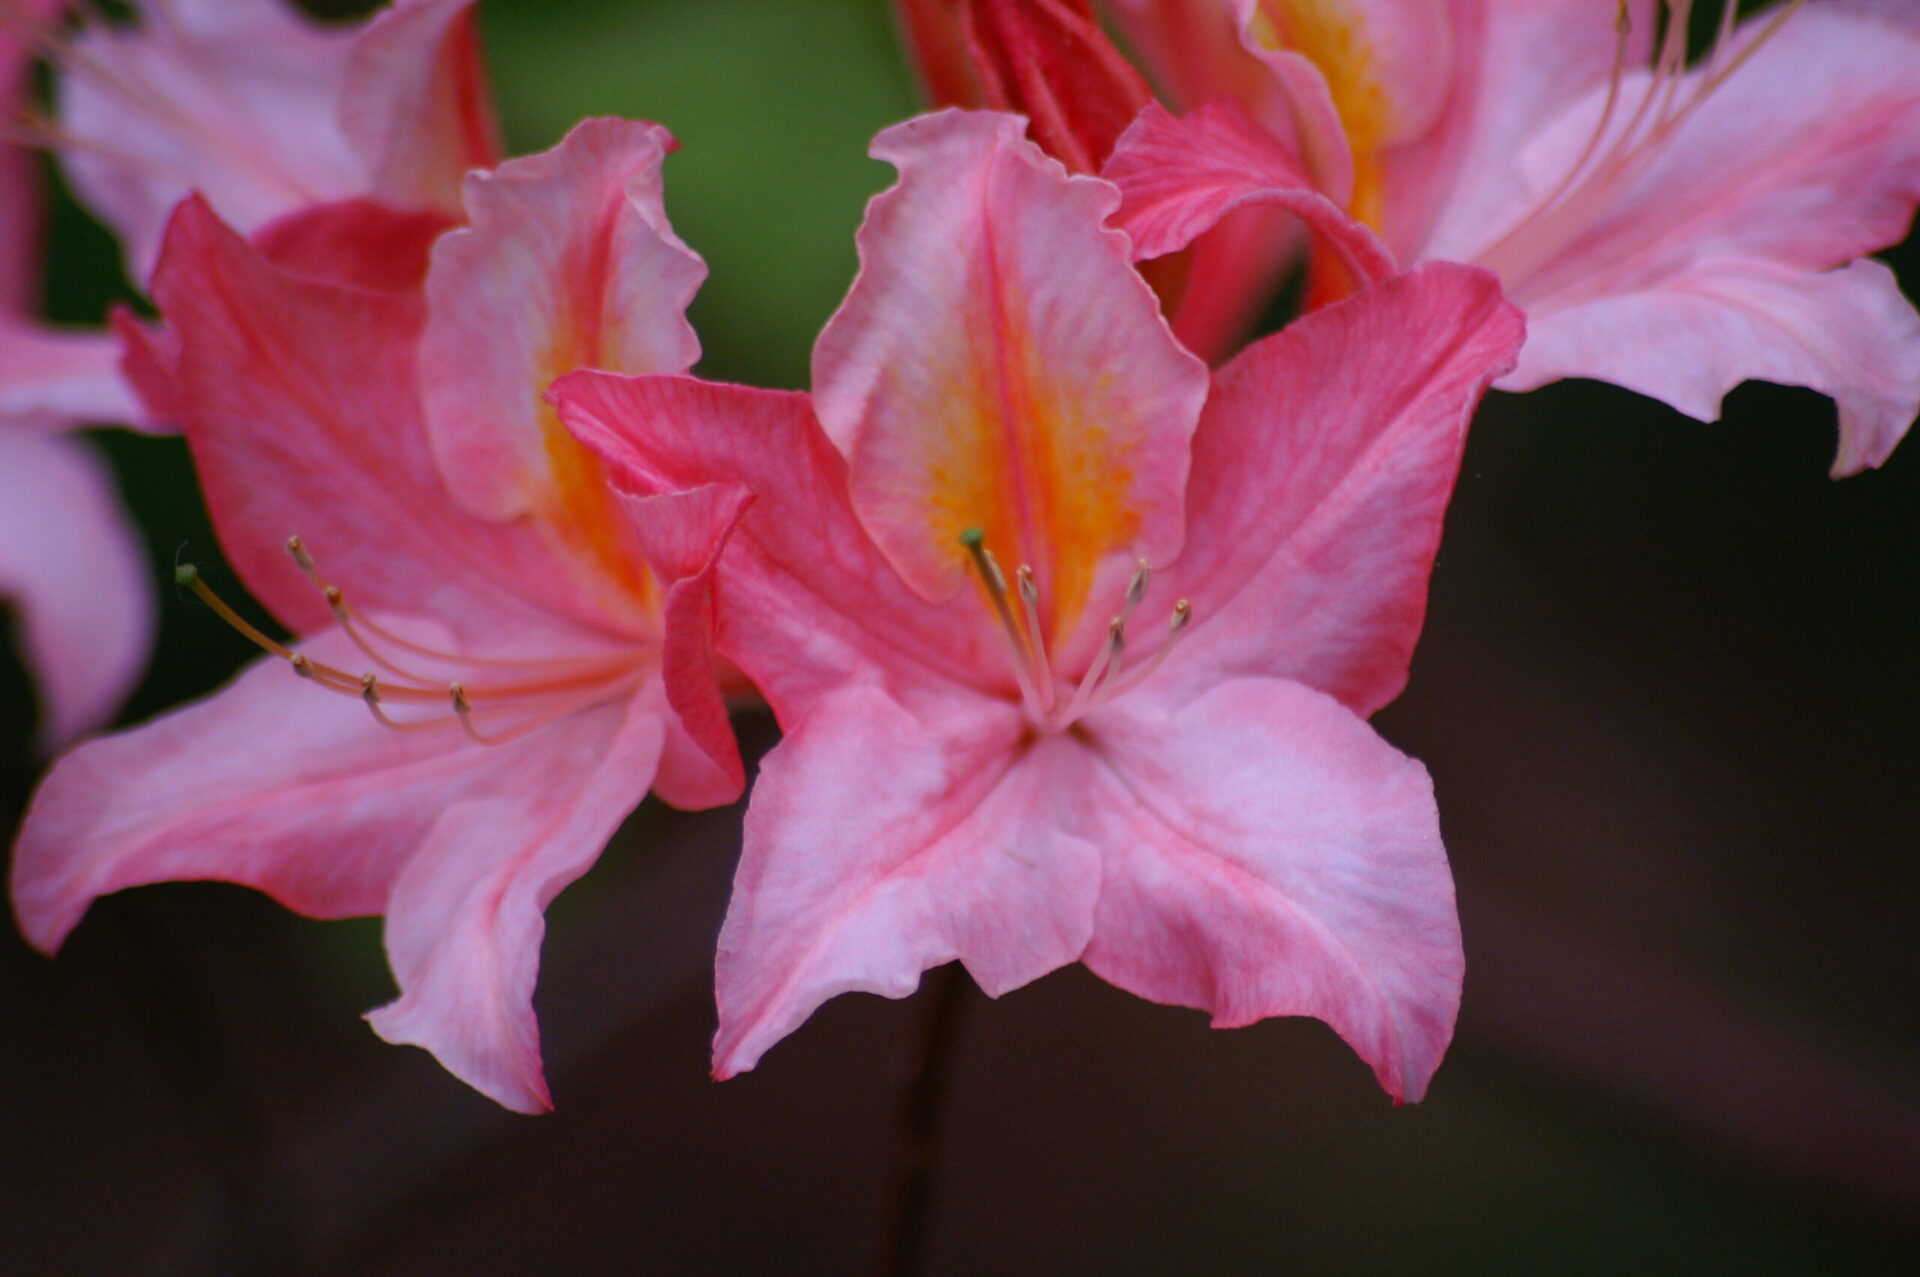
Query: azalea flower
x=1071, y=643
x=475, y=698
x=1672, y=227
x=70, y=565
x=265, y=113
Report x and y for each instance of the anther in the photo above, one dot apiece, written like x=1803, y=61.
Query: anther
x=301, y=665
x=458, y=696
x=298, y=549
x=369, y=688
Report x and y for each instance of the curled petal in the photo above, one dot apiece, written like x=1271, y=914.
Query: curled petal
x=1179, y=177
x=1849, y=333
x=804, y=601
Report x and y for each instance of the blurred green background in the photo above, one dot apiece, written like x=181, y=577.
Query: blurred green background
x=1669, y=694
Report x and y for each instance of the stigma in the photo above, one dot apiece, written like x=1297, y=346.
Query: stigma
x=1055, y=702
x=410, y=686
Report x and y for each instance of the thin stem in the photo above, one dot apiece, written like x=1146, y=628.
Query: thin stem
x=945, y=991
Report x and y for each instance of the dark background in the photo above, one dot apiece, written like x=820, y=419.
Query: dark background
x=1669, y=693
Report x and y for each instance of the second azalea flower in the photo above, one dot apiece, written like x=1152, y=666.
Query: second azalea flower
x=1072, y=643
x=475, y=698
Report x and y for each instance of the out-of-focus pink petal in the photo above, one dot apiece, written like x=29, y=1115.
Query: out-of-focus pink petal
x=234, y=99
x=1807, y=156
x=569, y=263
x=299, y=402
x=150, y=365
x=881, y=842
x=53, y=380
x=999, y=365
x=805, y=601
x=1267, y=854
x=20, y=211
x=414, y=103
x=1179, y=177
x=1849, y=333
x=465, y=916
x=354, y=242
x=77, y=578
x=1321, y=472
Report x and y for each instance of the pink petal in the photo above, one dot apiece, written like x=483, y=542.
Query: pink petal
x=20, y=195
x=569, y=263
x=230, y=98
x=355, y=242
x=999, y=365
x=804, y=598
x=681, y=535
x=1321, y=472
x=414, y=103
x=882, y=841
x=76, y=575
x=1179, y=177
x=1849, y=333
x=277, y=785
x=1807, y=156
x=299, y=401
x=465, y=917
x=1267, y=854
x=54, y=380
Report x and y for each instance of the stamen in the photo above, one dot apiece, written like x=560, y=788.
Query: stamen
x=1176, y=625
x=1030, y=599
x=546, y=700
x=1612, y=157
x=1103, y=663
x=974, y=539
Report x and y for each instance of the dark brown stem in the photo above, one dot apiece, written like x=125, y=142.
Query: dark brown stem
x=944, y=995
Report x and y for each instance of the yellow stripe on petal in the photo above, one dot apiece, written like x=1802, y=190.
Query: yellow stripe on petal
x=1329, y=34
x=1025, y=456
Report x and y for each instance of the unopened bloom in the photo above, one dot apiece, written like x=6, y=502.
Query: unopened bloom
x=1071, y=642
x=1674, y=228
x=474, y=700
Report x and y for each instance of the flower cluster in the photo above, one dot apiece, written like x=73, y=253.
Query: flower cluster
x=1072, y=601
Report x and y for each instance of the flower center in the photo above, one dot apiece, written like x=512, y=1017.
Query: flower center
x=1627, y=137
x=493, y=700
x=1055, y=703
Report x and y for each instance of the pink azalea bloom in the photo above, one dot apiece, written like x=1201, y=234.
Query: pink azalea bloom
x=264, y=113
x=481, y=644
x=71, y=567
x=1673, y=228
x=1162, y=772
